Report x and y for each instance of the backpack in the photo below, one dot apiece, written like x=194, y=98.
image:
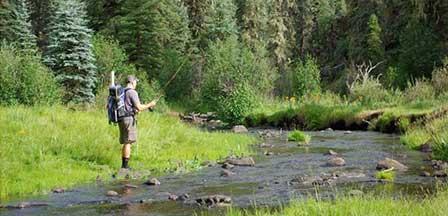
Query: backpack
x=116, y=109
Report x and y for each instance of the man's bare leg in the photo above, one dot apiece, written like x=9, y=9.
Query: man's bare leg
x=125, y=155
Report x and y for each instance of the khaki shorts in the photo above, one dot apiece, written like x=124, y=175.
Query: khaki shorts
x=128, y=130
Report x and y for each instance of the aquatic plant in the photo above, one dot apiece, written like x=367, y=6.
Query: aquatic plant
x=299, y=136
x=388, y=175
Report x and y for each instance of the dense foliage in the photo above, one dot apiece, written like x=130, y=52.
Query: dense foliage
x=275, y=41
x=25, y=80
x=69, y=52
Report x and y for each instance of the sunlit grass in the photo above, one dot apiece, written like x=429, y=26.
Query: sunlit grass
x=359, y=205
x=48, y=147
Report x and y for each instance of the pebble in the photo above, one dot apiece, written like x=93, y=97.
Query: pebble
x=336, y=161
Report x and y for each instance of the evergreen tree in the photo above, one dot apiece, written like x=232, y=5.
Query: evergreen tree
x=148, y=29
x=21, y=27
x=253, y=21
x=374, y=43
x=69, y=52
x=15, y=24
x=5, y=21
x=220, y=20
x=40, y=12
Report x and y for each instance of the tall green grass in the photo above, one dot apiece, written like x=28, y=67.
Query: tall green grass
x=46, y=147
x=365, y=205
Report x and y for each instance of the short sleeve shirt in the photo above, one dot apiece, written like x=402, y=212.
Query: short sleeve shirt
x=131, y=100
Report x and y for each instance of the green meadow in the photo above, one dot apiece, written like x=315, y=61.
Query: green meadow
x=46, y=147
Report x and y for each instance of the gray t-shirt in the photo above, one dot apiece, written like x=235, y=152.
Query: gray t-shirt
x=131, y=100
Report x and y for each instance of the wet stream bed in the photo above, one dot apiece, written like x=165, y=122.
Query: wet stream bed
x=288, y=172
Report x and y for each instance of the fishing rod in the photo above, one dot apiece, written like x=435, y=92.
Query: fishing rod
x=172, y=78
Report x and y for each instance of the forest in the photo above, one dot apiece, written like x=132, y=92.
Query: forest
x=274, y=66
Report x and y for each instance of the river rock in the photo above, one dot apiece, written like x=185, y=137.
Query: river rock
x=111, y=193
x=439, y=165
x=331, y=153
x=264, y=145
x=152, y=182
x=207, y=163
x=425, y=174
x=183, y=197
x=440, y=174
x=227, y=173
x=245, y=161
x=173, y=197
x=268, y=153
x=239, y=129
x=348, y=132
x=130, y=186
x=426, y=148
x=388, y=163
x=58, y=190
x=214, y=200
x=336, y=161
x=22, y=205
x=227, y=166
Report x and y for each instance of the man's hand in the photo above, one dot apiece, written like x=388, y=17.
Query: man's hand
x=152, y=104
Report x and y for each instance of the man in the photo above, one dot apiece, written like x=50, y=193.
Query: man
x=128, y=125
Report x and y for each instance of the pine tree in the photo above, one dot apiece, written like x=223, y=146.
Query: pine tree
x=253, y=21
x=21, y=28
x=374, y=43
x=150, y=28
x=220, y=20
x=40, y=11
x=69, y=52
x=5, y=20
x=15, y=24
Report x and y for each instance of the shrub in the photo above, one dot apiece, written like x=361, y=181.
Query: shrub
x=236, y=105
x=306, y=77
x=231, y=84
x=25, y=80
x=299, y=136
x=420, y=91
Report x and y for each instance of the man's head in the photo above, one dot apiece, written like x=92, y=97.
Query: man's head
x=132, y=81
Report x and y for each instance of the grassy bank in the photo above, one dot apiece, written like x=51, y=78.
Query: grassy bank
x=367, y=205
x=419, y=122
x=48, y=147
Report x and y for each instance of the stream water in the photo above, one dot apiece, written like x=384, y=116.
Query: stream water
x=286, y=174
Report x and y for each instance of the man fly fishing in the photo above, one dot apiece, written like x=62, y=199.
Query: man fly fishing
x=128, y=123
x=123, y=106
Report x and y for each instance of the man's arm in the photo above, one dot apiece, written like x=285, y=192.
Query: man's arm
x=141, y=107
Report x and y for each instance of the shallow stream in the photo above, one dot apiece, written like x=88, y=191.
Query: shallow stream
x=288, y=172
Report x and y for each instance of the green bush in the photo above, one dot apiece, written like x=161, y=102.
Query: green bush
x=306, y=77
x=299, y=136
x=25, y=80
x=229, y=82
x=236, y=105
